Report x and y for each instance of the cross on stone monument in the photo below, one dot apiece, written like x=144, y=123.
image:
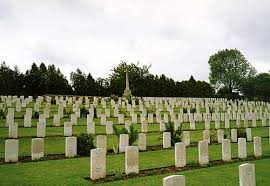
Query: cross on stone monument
x=127, y=91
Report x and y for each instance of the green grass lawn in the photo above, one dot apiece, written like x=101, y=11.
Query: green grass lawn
x=73, y=171
x=55, y=141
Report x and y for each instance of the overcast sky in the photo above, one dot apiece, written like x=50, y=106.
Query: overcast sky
x=175, y=36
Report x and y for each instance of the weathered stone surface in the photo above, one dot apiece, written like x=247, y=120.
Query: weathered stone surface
x=186, y=137
x=97, y=163
x=226, y=150
x=161, y=126
x=134, y=119
x=41, y=129
x=123, y=142
x=68, y=129
x=71, y=146
x=242, y=148
x=101, y=141
x=180, y=154
x=109, y=127
x=192, y=125
x=131, y=159
x=206, y=136
x=91, y=127
x=11, y=150
x=257, y=146
x=56, y=120
x=13, y=130
x=142, y=141
x=27, y=120
x=144, y=126
x=220, y=135
x=121, y=119
x=234, y=135
x=203, y=153
x=247, y=175
x=37, y=148
x=249, y=135
x=74, y=119
x=174, y=180
x=127, y=125
x=166, y=140
x=207, y=124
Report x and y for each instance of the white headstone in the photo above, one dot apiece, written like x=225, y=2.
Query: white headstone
x=56, y=120
x=166, y=140
x=249, y=135
x=186, y=137
x=91, y=127
x=180, y=154
x=109, y=127
x=220, y=135
x=37, y=148
x=174, y=180
x=142, y=141
x=247, y=175
x=102, y=141
x=41, y=129
x=257, y=146
x=234, y=135
x=203, y=153
x=131, y=159
x=226, y=150
x=71, y=146
x=11, y=150
x=67, y=129
x=13, y=130
x=97, y=163
x=242, y=148
x=123, y=142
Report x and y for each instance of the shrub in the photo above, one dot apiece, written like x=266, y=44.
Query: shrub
x=184, y=110
x=211, y=110
x=84, y=112
x=36, y=115
x=137, y=101
x=114, y=97
x=85, y=142
x=118, y=174
x=67, y=112
x=193, y=110
x=3, y=113
x=175, y=134
x=95, y=112
x=241, y=133
x=53, y=101
x=132, y=134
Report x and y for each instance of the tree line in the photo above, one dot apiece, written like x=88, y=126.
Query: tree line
x=42, y=79
x=231, y=76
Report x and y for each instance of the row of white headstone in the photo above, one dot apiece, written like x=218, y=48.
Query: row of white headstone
x=98, y=155
x=247, y=177
x=37, y=148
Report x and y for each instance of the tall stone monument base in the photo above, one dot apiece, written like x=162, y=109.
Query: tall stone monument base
x=127, y=93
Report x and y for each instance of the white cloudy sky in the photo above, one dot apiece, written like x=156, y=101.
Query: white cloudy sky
x=175, y=36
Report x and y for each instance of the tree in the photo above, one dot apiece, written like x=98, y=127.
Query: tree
x=136, y=77
x=229, y=68
x=258, y=87
x=78, y=82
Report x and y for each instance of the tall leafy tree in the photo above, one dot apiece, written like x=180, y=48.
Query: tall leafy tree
x=258, y=87
x=136, y=76
x=78, y=82
x=229, y=68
